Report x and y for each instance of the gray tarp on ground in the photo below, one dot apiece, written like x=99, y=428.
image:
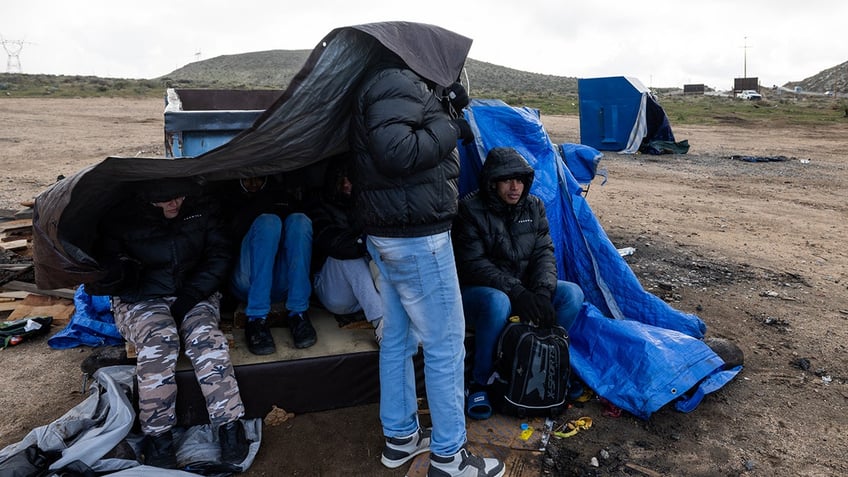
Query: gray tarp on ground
x=308, y=123
x=103, y=421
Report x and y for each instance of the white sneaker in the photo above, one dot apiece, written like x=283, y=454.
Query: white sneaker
x=464, y=464
x=399, y=450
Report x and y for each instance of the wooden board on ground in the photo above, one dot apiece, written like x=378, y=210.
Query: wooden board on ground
x=501, y=437
x=13, y=225
x=61, y=309
x=16, y=285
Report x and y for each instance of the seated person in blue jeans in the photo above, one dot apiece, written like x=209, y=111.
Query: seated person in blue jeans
x=343, y=280
x=272, y=260
x=506, y=265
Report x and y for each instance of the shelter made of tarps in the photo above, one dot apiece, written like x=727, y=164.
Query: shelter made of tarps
x=620, y=320
x=619, y=113
x=308, y=123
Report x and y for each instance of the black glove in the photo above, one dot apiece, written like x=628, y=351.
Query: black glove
x=122, y=272
x=526, y=306
x=463, y=130
x=182, y=305
x=547, y=314
x=457, y=96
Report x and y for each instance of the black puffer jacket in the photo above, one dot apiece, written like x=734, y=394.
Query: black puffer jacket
x=507, y=247
x=188, y=256
x=336, y=229
x=406, y=163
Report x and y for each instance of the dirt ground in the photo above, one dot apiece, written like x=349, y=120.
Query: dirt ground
x=756, y=249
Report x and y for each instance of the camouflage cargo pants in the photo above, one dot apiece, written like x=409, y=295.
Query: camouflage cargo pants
x=149, y=326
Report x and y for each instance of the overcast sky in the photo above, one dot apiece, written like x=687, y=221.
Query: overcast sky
x=660, y=42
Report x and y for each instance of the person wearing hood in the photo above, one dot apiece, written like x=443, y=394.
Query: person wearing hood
x=404, y=133
x=506, y=265
x=165, y=256
x=342, y=279
x=272, y=259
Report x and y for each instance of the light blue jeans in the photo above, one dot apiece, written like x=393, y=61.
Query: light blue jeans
x=421, y=300
x=274, y=264
x=488, y=309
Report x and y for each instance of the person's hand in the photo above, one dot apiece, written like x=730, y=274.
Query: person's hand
x=526, y=306
x=457, y=96
x=463, y=130
x=547, y=313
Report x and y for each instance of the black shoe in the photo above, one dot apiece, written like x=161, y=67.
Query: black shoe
x=159, y=451
x=302, y=330
x=234, y=444
x=259, y=338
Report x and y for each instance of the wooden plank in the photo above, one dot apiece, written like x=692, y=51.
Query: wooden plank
x=9, y=305
x=15, y=267
x=16, y=285
x=17, y=224
x=16, y=245
x=14, y=295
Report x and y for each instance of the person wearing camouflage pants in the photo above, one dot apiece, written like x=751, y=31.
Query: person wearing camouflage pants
x=148, y=325
x=165, y=254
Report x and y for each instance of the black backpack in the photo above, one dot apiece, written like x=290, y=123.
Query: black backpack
x=533, y=367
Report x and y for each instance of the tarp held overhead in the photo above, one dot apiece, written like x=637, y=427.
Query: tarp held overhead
x=308, y=123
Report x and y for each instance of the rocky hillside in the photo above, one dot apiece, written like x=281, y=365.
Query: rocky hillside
x=832, y=79
x=274, y=69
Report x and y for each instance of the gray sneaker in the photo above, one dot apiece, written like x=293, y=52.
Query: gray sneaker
x=400, y=450
x=464, y=464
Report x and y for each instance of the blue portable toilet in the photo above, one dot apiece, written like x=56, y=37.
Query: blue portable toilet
x=612, y=113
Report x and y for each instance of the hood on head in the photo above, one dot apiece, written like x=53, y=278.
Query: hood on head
x=505, y=163
x=163, y=190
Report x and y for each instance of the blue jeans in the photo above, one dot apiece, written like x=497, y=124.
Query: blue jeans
x=274, y=264
x=421, y=300
x=487, y=311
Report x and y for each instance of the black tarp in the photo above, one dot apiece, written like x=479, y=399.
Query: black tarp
x=308, y=123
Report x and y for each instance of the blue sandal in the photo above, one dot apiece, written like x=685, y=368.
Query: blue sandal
x=478, y=406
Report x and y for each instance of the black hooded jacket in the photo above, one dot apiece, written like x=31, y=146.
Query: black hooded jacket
x=187, y=256
x=507, y=247
x=406, y=163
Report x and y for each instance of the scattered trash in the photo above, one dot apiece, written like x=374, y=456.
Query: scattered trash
x=749, y=465
x=770, y=293
x=802, y=363
x=759, y=158
x=571, y=428
x=594, y=462
x=277, y=416
x=804, y=161
x=626, y=251
x=826, y=380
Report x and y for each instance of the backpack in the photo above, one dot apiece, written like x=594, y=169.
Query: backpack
x=533, y=369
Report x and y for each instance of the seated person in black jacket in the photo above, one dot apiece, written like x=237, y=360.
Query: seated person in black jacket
x=273, y=254
x=166, y=256
x=343, y=280
x=506, y=264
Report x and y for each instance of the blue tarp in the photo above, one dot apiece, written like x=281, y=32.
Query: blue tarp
x=628, y=345
x=91, y=325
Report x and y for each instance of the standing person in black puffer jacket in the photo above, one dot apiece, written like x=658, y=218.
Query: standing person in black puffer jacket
x=404, y=135
x=165, y=257
x=506, y=264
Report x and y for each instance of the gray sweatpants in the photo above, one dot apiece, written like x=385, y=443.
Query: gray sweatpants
x=346, y=286
x=148, y=325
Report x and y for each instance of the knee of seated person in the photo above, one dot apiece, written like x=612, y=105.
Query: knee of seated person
x=298, y=219
x=268, y=222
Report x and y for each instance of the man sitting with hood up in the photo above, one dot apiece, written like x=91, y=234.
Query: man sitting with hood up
x=506, y=265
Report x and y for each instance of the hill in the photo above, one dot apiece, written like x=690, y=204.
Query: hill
x=274, y=69
x=833, y=79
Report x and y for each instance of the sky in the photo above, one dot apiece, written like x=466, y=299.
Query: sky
x=662, y=43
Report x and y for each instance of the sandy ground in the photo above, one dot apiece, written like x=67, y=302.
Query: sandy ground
x=755, y=249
